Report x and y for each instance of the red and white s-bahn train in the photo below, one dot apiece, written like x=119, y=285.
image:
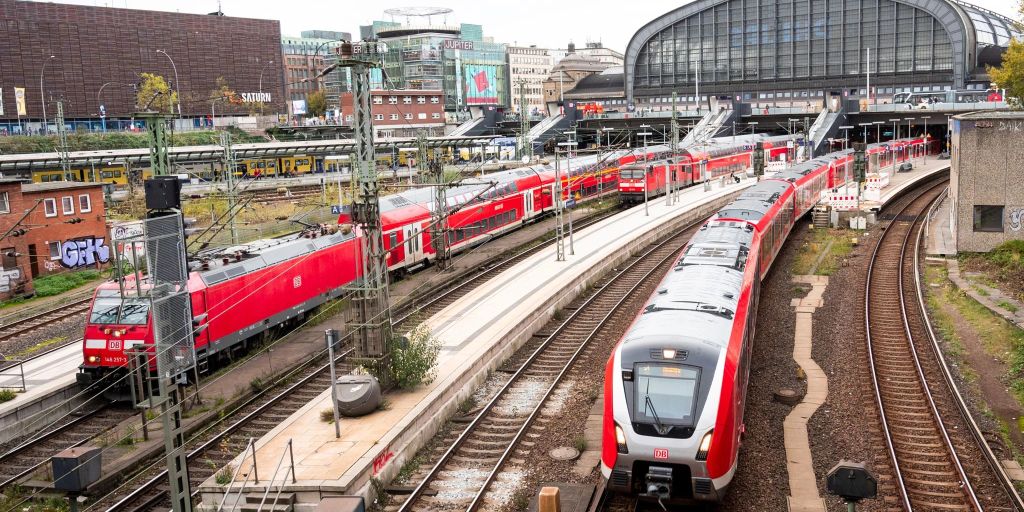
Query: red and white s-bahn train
x=239, y=294
x=721, y=156
x=675, y=384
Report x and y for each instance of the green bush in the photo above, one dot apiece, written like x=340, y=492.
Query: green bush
x=1009, y=255
x=56, y=284
x=6, y=395
x=414, y=362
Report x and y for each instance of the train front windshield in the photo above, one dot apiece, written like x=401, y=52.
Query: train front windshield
x=666, y=394
x=628, y=173
x=115, y=310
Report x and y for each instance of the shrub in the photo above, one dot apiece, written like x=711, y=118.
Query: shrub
x=327, y=415
x=223, y=477
x=413, y=362
x=6, y=395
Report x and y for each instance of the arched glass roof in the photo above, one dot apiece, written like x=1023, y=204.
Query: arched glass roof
x=992, y=28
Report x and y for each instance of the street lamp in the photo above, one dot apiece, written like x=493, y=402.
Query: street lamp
x=908, y=120
x=99, y=101
x=42, y=94
x=895, y=128
x=878, y=131
x=269, y=62
x=177, y=84
x=568, y=181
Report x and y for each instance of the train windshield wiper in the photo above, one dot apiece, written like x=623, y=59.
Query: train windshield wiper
x=649, y=404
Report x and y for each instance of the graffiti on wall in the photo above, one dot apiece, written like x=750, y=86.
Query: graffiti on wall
x=8, y=278
x=84, y=252
x=1016, y=217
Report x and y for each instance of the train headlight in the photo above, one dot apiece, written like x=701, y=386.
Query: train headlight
x=620, y=440
x=705, y=446
x=94, y=359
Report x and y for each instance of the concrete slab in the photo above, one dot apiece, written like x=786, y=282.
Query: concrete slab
x=803, y=484
x=939, y=237
x=571, y=497
x=989, y=297
x=478, y=331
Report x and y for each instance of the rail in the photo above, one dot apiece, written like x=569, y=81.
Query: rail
x=1005, y=481
x=886, y=424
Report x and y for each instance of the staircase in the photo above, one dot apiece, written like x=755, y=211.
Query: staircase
x=544, y=130
x=826, y=126
x=708, y=127
x=285, y=503
x=464, y=128
x=820, y=217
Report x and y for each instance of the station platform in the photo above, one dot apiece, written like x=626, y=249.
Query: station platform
x=940, y=231
x=477, y=332
x=901, y=181
x=49, y=382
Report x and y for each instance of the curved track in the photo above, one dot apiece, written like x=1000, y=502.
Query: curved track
x=467, y=475
x=939, y=456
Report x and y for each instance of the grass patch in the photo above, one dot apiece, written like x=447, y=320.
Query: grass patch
x=223, y=477
x=1007, y=306
x=812, y=250
x=580, y=443
x=56, y=284
x=40, y=346
x=327, y=415
x=981, y=291
x=6, y=395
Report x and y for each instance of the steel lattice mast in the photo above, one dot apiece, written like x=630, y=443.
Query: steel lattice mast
x=372, y=304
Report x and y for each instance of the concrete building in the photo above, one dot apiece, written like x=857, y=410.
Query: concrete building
x=470, y=69
x=566, y=74
x=65, y=229
x=987, y=179
x=401, y=113
x=781, y=52
x=591, y=49
x=303, y=59
x=528, y=67
x=99, y=52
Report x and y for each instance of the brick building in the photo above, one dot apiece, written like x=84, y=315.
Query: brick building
x=303, y=59
x=93, y=46
x=401, y=113
x=987, y=179
x=66, y=229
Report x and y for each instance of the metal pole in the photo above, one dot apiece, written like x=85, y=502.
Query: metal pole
x=177, y=84
x=42, y=93
x=925, y=138
x=868, y=59
x=331, y=335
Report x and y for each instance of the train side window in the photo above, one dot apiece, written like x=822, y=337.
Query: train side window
x=392, y=240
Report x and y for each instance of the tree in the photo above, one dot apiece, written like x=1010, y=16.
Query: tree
x=1010, y=74
x=154, y=88
x=223, y=90
x=316, y=103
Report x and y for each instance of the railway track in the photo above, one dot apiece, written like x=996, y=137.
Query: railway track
x=228, y=436
x=23, y=326
x=940, y=458
x=17, y=464
x=478, y=471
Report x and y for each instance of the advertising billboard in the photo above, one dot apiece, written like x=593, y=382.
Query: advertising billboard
x=298, y=107
x=481, y=84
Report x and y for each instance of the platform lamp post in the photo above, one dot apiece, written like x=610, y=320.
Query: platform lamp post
x=895, y=127
x=607, y=130
x=926, y=137
x=865, y=126
x=264, y=68
x=177, y=84
x=569, y=144
x=645, y=134
x=42, y=92
x=99, y=100
x=878, y=130
x=846, y=135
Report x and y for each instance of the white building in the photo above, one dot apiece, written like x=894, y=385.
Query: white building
x=592, y=49
x=528, y=67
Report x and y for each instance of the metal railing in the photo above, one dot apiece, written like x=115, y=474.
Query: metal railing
x=291, y=468
x=944, y=106
x=14, y=363
x=250, y=448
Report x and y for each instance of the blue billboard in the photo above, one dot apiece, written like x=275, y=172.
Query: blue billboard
x=481, y=84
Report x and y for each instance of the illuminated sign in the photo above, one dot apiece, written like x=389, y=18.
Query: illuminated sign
x=481, y=84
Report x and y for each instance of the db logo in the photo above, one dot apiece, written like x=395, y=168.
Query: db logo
x=115, y=344
x=296, y=281
x=660, y=453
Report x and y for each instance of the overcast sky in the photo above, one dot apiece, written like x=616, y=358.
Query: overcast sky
x=546, y=23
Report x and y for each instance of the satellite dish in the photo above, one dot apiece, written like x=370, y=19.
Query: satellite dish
x=525, y=159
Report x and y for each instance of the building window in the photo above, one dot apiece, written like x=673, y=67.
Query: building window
x=435, y=115
x=392, y=100
x=421, y=100
x=988, y=218
x=5, y=205
x=84, y=203
x=67, y=204
x=377, y=100
x=54, y=250
x=421, y=115
x=408, y=116
x=377, y=117
x=407, y=100
x=50, y=207
x=394, y=117
x=434, y=99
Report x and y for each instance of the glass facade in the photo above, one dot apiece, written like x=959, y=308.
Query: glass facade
x=765, y=40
